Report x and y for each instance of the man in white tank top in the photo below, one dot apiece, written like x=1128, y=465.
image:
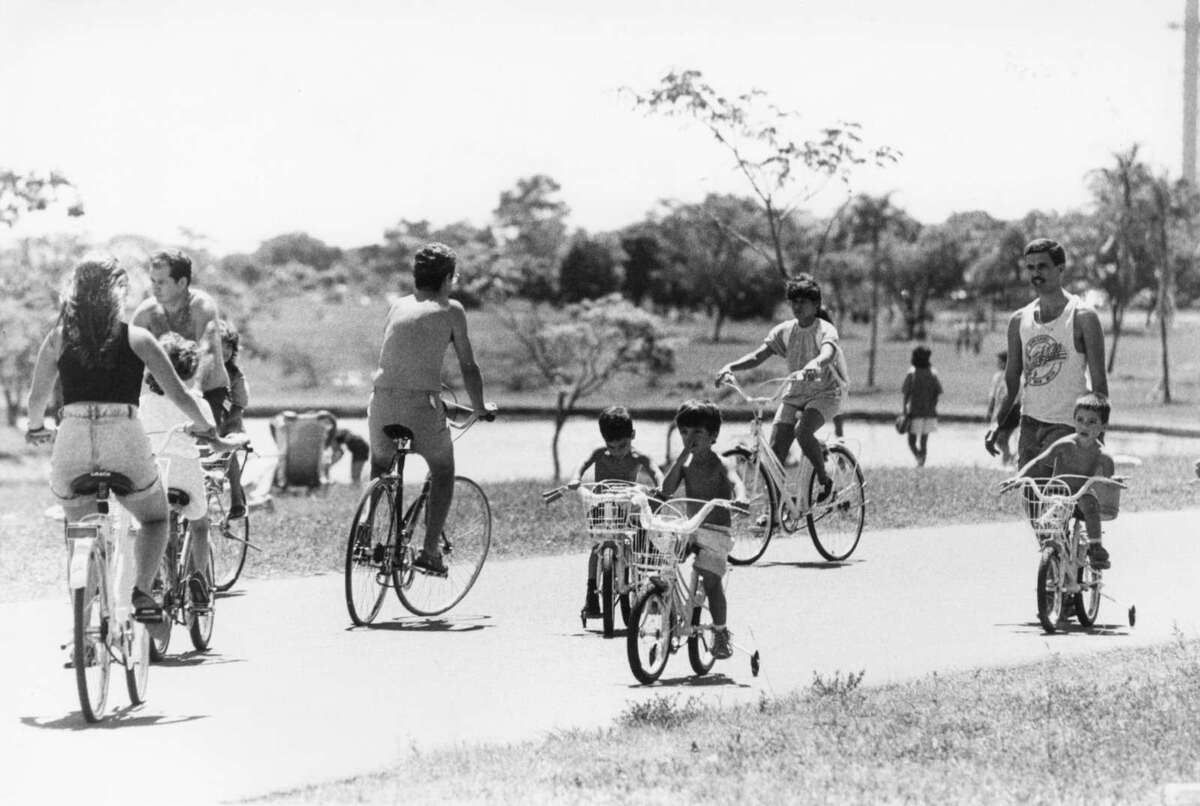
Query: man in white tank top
x=1055, y=346
x=408, y=382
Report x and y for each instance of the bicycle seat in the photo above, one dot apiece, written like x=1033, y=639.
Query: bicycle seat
x=90, y=483
x=397, y=431
x=177, y=497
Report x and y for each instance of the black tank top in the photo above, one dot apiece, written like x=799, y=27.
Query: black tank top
x=120, y=383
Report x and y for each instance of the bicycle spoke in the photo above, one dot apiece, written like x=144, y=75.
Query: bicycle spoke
x=465, y=542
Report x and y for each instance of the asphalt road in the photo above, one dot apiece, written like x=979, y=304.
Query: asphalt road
x=291, y=695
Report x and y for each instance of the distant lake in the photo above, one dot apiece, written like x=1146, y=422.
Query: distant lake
x=520, y=448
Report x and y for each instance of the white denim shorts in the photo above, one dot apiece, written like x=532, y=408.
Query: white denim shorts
x=104, y=436
x=712, y=544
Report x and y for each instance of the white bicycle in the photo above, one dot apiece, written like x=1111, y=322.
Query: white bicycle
x=835, y=524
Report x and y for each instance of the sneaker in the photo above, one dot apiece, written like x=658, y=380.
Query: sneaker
x=236, y=512
x=1099, y=557
x=430, y=564
x=145, y=608
x=591, y=607
x=721, y=648
x=761, y=522
x=198, y=588
x=826, y=490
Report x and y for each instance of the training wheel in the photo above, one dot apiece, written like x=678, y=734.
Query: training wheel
x=1132, y=615
x=754, y=664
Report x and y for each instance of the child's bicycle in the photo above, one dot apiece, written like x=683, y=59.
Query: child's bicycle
x=670, y=609
x=229, y=539
x=188, y=593
x=1065, y=573
x=835, y=524
x=610, y=516
x=380, y=551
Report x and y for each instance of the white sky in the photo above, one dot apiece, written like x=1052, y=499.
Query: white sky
x=340, y=118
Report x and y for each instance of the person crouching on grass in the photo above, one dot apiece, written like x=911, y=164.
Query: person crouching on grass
x=1081, y=454
x=705, y=476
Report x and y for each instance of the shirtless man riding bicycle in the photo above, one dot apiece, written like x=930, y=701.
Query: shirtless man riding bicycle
x=408, y=383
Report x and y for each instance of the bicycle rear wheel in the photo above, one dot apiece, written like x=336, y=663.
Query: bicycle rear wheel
x=164, y=591
x=372, y=539
x=229, y=539
x=91, y=656
x=752, y=532
x=608, y=603
x=836, y=525
x=200, y=617
x=700, y=643
x=648, y=640
x=465, y=541
x=1049, y=590
x=1087, y=601
x=137, y=660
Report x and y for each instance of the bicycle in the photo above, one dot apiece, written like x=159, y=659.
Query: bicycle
x=187, y=593
x=1064, y=567
x=229, y=539
x=835, y=525
x=380, y=552
x=670, y=609
x=611, y=520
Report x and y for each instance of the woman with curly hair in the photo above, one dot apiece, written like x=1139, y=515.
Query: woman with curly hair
x=100, y=361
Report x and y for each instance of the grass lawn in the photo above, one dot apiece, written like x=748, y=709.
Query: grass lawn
x=1113, y=728
x=332, y=350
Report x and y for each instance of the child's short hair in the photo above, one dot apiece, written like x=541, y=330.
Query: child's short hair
x=229, y=337
x=699, y=414
x=920, y=357
x=803, y=286
x=615, y=423
x=1093, y=402
x=183, y=354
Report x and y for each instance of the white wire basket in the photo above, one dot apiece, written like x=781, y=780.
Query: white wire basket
x=609, y=509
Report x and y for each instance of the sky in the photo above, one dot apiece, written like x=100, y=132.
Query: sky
x=240, y=121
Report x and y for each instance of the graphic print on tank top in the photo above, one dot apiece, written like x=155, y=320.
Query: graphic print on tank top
x=1044, y=359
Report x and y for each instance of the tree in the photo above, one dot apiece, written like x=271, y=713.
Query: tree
x=589, y=271
x=782, y=168
x=532, y=222
x=28, y=192
x=297, y=247
x=928, y=268
x=579, y=351
x=719, y=271
x=643, y=262
x=872, y=221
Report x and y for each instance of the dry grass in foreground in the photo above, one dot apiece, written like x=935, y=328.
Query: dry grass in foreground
x=1110, y=728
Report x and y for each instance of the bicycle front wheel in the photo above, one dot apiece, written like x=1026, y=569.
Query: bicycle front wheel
x=229, y=539
x=752, y=532
x=1087, y=601
x=648, y=640
x=91, y=654
x=137, y=660
x=836, y=525
x=200, y=616
x=1049, y=590
x=607, y=598
x=465, y=541
x=371, y=542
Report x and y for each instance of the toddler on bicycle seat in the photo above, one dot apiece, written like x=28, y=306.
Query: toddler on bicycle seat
x=705, y=476
x=1082, y=454
x=616, y=460
x=809, y=344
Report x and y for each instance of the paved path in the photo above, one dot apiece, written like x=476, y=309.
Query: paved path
x=289, y=695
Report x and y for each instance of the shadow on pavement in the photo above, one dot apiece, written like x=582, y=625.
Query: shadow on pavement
x=231, y=594
x=693, y=681
x=430, y=625
x=820, y=566
x=193, y=658
x=1110, y=630
x=118, y=718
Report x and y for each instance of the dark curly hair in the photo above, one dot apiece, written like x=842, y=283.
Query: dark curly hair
x=184, y=355
x=91, y=311
x=432, y=264
x=615, y=423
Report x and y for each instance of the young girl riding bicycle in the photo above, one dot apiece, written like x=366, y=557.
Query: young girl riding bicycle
x=809, y=344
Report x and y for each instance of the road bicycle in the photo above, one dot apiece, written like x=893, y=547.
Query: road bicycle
x=100, y=575
x=1067, y=582
x=384, y=537
x=835, y=524
x=229, y=538
x=610, y=517
x=670, y=609
x=187, y=592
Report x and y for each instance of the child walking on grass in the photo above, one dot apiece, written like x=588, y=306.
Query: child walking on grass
x=1082, y=454
x=615, y=460
x=921, y=390
x=705, y=476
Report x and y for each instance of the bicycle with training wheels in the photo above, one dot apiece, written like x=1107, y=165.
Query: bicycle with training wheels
x=670, y=608
x=384, y=536
x=610, y=517
x=1067, y=582
x=229, y=537
x=834, y=524
x=187, y=592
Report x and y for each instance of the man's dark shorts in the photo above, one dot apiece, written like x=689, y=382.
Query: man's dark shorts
x=1035, y=437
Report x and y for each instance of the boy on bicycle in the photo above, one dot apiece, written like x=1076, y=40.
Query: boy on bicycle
x=1080, y=454
x=616, y=460
x=705, y=476
x=809, y=343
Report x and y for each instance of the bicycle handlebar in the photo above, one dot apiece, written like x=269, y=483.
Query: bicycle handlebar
x=1036, y=484
x=729, y=380
x=488, y=414
x=649, y=520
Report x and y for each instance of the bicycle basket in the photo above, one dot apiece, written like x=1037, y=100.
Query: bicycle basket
x=609, y=509
x=656, y=551
x=1048, y=508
